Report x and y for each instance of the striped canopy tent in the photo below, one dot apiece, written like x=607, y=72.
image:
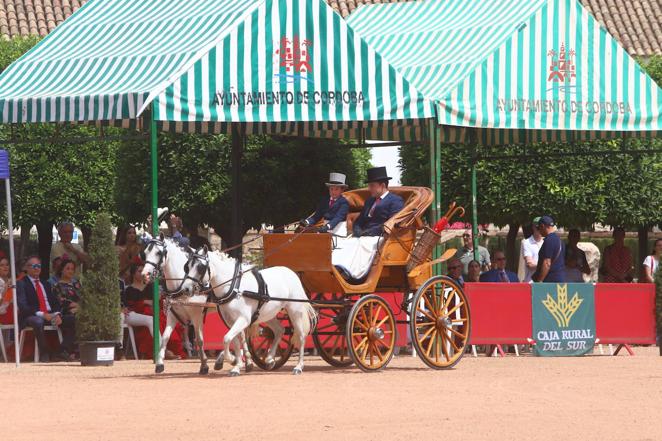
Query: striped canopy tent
x=291, y=67
x=279, y=66
x=512, y=71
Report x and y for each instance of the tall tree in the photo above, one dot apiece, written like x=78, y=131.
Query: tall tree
x=282, y=178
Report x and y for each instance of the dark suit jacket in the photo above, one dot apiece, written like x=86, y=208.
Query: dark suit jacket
x=337, y=213
x=374, y=226
x=28, y=303
x=493, y=276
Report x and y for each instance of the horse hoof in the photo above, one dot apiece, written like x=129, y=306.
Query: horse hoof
x=296, y=371
x=218, y=365
x=249, y=367
x=159, y=368
x=270, y=364
x=234, y=374
x=204, y=370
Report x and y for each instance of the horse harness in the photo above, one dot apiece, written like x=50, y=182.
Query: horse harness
x=262, y=294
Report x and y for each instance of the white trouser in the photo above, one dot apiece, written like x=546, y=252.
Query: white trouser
x=135, y=319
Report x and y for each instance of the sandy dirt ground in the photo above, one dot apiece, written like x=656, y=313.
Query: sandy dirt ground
x=525, y=398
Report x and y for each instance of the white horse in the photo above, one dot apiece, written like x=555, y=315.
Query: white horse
x=218, y=269
x=167, y=256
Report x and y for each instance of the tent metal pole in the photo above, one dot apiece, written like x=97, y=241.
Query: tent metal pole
x=155, y=230
x=12, y=267
x=435, y=185
x=238, y=138
x=474, y=209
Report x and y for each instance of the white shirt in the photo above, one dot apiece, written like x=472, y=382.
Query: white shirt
x=43, y=290
x=530, y=248
x=652, y=263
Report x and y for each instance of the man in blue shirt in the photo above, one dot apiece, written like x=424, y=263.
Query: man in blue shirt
x=332, y=209
x=551, y=264
x=499, y=273
x=380, y=207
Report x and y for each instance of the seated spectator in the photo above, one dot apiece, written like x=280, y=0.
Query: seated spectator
x=5, y=292
x=466, y=254
x=73, y=251
x=68, y=287
x=474, y=271
x=652, y=262
x=499, y=273
x=56, y=269
x=617, y=262
x=455, y=271
x=38, y=306
x=137, y=311
x=129, y=248
x=575, y=259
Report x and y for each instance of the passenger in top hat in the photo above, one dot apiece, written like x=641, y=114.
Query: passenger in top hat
x=332, y=209
x=380, y=207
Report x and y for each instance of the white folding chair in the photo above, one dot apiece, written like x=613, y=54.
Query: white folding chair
x=4, y=328
x=132, y=337
x=21, y=339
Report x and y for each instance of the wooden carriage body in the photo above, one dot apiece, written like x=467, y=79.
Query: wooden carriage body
x=309, y=255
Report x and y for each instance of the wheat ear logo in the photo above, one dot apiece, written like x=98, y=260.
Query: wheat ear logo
x=561, y=309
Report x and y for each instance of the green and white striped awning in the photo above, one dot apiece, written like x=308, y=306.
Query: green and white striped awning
x=281, y=66
x=505, y=71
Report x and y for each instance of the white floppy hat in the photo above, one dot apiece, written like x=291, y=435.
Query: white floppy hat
x=336, y=179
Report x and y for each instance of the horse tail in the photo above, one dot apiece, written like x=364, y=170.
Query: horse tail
x=311, y=324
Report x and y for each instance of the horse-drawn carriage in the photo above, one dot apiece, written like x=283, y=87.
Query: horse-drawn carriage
x=356, y=323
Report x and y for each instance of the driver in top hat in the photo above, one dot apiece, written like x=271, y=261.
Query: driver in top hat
x=332, y=209
x=380, y=207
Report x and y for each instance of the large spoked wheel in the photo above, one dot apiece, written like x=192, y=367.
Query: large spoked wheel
x=330, y=338
x=440, y=322
x=371, y=333
x=259, y=344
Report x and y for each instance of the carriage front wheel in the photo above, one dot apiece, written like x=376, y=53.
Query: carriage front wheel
x=440, y=322
x=260, y=343
x=371, y=333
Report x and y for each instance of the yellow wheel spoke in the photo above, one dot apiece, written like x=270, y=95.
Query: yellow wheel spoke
x=462, y=336
x=428, y=332
x=382, y=321
x=426, y=314
x=454, y=309
x=432, y=339
x=376, y=316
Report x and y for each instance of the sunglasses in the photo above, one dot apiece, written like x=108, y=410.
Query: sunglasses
x=500, y=258
x=36, y=265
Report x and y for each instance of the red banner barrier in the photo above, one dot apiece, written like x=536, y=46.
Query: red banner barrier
x=625, y=313
x=500, y=312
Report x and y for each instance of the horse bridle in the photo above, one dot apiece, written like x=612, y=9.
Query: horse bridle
x=234, y=282
x=157, y=272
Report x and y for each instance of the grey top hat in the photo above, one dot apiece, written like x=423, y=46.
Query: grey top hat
x=336, y=179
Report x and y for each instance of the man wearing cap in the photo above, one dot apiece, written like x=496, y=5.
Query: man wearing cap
x=551, y=258
x=380, y=206
x=332, y=209
x=530, y=249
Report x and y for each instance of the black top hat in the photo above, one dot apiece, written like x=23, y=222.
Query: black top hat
x=377, y=174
